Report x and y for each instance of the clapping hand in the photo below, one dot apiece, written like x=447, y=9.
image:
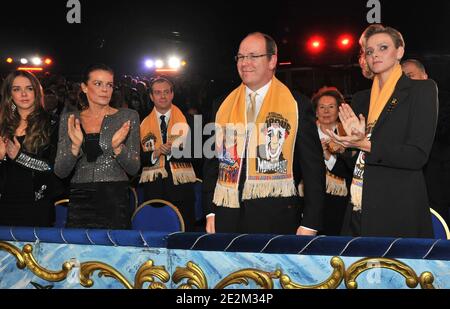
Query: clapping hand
x=75, y=134
x=2, y=148
x=164, y=149
x=119, y=137
x=335, y=148
x=352, y=124
x=354, y=128
x=12, y=148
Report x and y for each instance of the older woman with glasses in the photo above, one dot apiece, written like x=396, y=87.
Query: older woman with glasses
x=326, y=103
x=99, y=147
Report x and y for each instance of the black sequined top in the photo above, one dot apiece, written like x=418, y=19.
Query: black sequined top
x=105, y=167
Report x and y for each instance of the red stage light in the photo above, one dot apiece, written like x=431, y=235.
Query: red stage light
x=345, y=41
x=316, y=44
x=48, y=61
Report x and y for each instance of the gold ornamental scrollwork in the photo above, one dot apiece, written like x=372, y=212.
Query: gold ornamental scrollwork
x=14, y=251
x=194, y=275
x=333, y=281
x=264, y=279
x=41, y=272
x=261, y=278
x=147, y=273
x=426, y=279
x=25, y=258
x=88, y=268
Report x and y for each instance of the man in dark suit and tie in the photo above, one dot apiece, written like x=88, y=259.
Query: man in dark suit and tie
x=266, y=142
x=167, y=169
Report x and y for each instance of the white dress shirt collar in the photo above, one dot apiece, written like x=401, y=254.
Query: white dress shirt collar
x=261, y=94
x=167, y=114
x=323, y=135
x=332, y=160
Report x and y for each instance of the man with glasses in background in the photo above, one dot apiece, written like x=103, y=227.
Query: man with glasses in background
x=250, y=187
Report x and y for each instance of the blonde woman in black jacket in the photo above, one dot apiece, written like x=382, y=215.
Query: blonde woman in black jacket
x=388, y=192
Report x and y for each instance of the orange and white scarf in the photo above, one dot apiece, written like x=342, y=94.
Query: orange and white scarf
x=151, y=139
x=335, y=185
x=378, y=100
x=269, y=146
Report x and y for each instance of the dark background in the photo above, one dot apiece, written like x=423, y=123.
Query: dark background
x=207, y=34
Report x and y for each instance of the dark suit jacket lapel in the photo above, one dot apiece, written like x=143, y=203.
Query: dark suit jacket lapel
x=400, y=94
x=365, y=107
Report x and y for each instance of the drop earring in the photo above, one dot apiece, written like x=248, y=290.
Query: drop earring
x=13, y=107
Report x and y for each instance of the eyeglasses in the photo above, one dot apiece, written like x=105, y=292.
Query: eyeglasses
x=240, y=58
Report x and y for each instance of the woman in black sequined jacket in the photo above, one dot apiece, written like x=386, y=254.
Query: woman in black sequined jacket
x=28, y=141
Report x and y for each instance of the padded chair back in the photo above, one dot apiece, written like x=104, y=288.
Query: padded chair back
x=440, y=228
x=140, y=194
x=157, y=215
x=61, y=207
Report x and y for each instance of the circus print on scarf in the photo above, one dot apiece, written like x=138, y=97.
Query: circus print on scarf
x=270, y=157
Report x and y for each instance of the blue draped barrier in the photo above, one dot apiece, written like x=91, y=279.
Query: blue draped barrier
x=126, y=238
x=283, y=261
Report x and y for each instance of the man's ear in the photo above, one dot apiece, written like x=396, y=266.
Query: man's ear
x=273, y=62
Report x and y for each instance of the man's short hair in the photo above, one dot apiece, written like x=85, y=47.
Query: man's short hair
x=417, y=63
x=160, y=79
x=271, y=45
